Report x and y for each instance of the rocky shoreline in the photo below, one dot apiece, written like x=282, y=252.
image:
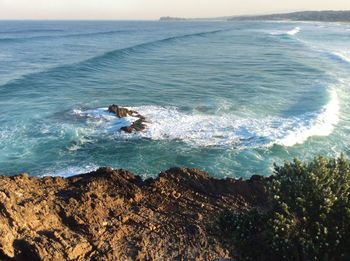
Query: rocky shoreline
x=114, y=215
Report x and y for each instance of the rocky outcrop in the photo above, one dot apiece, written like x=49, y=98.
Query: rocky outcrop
x=120, y=112
x=114, y=215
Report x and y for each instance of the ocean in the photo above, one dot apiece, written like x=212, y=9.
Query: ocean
x=231, y=98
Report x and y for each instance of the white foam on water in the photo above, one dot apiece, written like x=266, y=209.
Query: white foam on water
x=101, y=115
x=78, y=136
x=345, y=57
x=98, y=114
x=340, y=53
x=211, y=130
x=70, y=171
x=292, y=32
x=320, y=124
x=169, y=123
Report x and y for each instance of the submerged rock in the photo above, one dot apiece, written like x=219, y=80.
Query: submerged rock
x=120, y=112
x=114, y=215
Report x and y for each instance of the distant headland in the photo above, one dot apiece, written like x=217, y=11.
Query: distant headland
x=321, y=16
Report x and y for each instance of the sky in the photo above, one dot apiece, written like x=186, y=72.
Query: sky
x=153, y=9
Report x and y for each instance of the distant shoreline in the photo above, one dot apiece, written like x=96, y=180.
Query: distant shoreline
x=310, y=16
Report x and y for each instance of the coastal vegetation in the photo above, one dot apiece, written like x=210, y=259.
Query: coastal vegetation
x=300, y=213
x=320, y=16
x=308, y=217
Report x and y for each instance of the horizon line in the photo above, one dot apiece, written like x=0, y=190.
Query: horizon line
x=157, y=19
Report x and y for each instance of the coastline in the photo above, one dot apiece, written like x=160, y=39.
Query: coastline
x=113, y=214
x=301, y=16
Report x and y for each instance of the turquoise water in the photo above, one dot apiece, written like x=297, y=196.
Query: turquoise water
x=231, y=98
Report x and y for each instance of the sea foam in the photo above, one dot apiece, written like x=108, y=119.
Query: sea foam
x=342, y=56
x=169, y=123
x=292, y=32
x=70, y=171
x=319, y=124
x=102, y=115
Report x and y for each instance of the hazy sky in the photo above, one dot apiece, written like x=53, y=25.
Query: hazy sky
x=153, y=9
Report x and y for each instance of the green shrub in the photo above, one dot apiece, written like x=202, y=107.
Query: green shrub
x=308, y=217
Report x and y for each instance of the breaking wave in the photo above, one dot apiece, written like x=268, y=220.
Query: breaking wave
x=70, y=171
x=341, y=56
x=292, y=32
x=314, y=124
x=169, y=123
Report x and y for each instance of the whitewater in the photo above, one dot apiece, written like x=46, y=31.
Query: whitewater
x=168, y=123
x=231, y=98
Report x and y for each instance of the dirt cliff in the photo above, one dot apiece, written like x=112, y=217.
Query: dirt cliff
x=114, y=215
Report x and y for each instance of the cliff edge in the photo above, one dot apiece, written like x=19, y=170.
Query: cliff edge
x=114, y=215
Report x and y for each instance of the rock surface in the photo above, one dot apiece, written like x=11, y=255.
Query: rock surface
x=120, y=112
x=114, y=215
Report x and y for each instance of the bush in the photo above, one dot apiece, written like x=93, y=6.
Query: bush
x=308, y=217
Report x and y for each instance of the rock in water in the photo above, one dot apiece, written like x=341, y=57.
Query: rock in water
x=120, y=112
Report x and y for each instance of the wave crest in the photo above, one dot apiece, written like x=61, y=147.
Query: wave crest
x=292, y=32
x=129, y=50
x=96, y=62
x=342, y=56
x=61, y=36
x=322, y=124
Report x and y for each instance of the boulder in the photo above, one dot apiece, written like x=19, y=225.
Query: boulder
x=120, y=112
